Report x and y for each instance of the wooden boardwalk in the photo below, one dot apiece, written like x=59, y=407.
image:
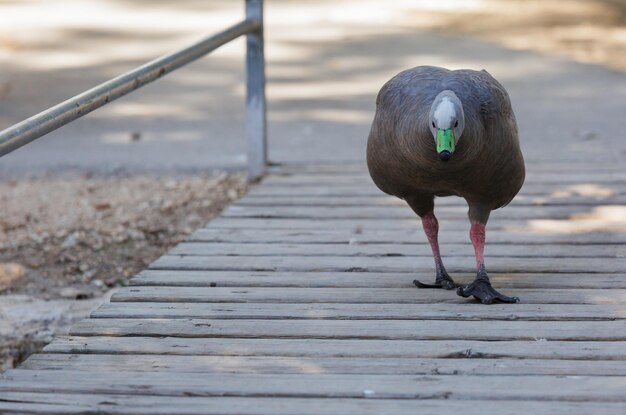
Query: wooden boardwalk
x=299, y=300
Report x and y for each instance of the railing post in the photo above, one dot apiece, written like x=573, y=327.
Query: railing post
x=256, y=127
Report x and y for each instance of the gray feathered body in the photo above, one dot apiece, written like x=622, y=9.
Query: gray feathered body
x=487, y=168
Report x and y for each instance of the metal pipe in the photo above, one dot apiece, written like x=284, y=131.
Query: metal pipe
x=38, y=125
x=256, y=123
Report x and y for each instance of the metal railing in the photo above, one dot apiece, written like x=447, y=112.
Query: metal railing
x=49, y=120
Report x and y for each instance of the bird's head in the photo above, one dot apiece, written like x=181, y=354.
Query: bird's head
x=446, y=122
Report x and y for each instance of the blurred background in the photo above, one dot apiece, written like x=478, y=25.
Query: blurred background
x=89, y=205
x=326, y=61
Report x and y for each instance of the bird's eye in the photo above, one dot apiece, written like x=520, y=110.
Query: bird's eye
x=456, y=124
x=434, y=124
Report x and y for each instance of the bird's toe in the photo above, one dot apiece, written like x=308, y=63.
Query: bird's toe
x=420, y=284
x=482, y=291
x=444, y=282
x=506, y=299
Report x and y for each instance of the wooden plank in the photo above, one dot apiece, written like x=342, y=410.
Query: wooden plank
x=364, y=279
x=357, y=225
x=356, y=329
x=565, y=227
x=395, y=250
x=399, y=212
x=566, y=181
x=64, y=403
x=384, y=200
x=322, y=348
x=560, y=165
x=314, y=382
x=369, y=189
x=283, y=365
x=385, y=264
x=354, y=295
x=544, y=312
x=408, y=235
x=575, y=177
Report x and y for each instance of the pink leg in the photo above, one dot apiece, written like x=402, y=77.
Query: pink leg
x=431, y=229
x=477, y=235
x=481, y=288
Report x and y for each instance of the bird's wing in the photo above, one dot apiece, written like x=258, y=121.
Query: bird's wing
x=494, y=100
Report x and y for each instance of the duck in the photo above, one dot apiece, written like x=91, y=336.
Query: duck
x=438, y=132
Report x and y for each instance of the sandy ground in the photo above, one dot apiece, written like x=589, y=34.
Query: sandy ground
x=76, y=237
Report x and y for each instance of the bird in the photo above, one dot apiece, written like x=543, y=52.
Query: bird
x=438, y=132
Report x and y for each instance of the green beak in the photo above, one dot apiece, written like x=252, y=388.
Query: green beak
x=445, y=140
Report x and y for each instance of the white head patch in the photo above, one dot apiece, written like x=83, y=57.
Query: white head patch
x=444, y=113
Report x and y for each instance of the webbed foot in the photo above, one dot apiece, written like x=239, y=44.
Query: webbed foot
x=442, y=281
x=482, y=290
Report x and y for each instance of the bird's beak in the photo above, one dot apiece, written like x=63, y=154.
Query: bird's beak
x=445, y=143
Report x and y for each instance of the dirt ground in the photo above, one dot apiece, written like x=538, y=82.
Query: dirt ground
x=75, y=237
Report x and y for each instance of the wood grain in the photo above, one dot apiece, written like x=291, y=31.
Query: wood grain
x=409, y=295
x=456, y=223
x=402, y=212
x=385, y=264
x=310, y=379
x=559, y=199
x=373, y=349
x=281, y=366
x=358, y=279
x=355, y=329
x=360, y=311
x=411, y=234
x=395, y=250
x=94, y=402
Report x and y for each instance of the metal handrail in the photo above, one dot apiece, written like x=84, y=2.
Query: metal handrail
x=49, y=120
